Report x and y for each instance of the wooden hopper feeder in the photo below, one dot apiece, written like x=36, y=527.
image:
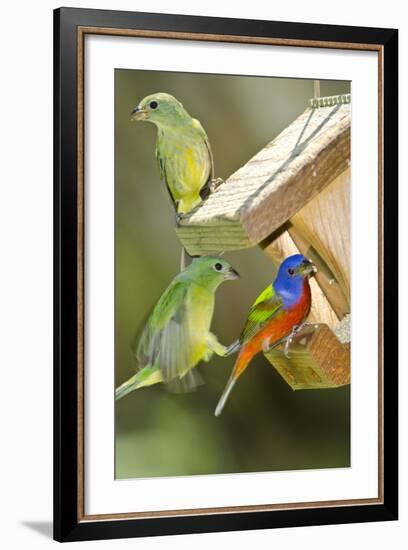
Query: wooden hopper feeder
x=294, y=196
x=316, y=360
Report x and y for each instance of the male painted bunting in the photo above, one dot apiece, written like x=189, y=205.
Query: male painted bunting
x=182, y=149
x=276, y=315
x=177, y=334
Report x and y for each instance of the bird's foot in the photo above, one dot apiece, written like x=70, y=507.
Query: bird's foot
x=178, y=217
x=287, y=344
x=210, y=187
x=289, y=339
x=214, y=184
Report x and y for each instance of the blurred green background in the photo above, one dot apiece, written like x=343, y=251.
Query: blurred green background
x=265, y=426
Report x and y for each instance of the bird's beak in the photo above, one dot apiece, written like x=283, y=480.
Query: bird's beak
x=138, y=114
x=232, y=275
x=307, y=268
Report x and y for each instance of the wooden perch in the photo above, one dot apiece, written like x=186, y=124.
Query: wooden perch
x=316, y=360
x=273, y=186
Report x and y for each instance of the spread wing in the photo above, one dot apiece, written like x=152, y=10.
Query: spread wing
x=166, y=340
x=266, y=306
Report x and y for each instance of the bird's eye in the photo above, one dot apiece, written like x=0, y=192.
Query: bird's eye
x=291, y=271
x=218, y=267
x=153, y=105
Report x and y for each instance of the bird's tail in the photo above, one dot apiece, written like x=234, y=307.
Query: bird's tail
x=225, y=394
x=127, y=387
x=145, y=377
x=241, y=364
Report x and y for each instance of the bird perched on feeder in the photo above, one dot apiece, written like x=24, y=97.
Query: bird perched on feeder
x=276, y=315
x=177, y=334
x=182, y=149
x=183, y=152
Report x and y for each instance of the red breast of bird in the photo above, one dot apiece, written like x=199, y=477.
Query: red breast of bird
x=278, y=327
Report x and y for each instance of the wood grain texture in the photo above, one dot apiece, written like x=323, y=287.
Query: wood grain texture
x=241, y=39
x=317, y=360
x=325, y=224
x=275, y=184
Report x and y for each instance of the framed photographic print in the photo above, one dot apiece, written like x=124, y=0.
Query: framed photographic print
x=225, y=274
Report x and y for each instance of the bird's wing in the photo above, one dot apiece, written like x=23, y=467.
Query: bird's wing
x=266, y=306
x=166, y=340
x=161, y=161
x=202, y=132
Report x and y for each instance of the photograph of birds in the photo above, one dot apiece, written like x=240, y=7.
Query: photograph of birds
x=279, y=310
x=183, y=151
x=177, y=334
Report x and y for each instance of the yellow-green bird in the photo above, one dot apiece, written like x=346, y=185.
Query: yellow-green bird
x=182, y=149
x=177, y=334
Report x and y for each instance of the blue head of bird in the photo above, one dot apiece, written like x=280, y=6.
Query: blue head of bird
x=162, y=109
x=290, y=278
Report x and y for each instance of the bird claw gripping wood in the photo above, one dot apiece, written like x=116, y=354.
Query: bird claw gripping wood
x=214, y=184
x=178, y=217
x=288, y=340
x=210, y=187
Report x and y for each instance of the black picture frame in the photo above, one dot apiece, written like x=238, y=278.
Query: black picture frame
x=68, y=525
